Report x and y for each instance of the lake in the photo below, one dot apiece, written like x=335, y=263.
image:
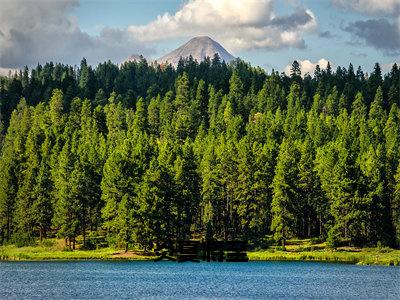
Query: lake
x=171, y=280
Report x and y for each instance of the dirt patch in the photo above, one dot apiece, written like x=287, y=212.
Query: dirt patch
x=349, y=249
x=132, y=255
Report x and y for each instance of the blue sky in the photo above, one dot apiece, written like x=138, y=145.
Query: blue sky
x=267, y=33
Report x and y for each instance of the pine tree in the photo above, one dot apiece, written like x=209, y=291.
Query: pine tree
x=122, y=174
x=42, y=208
x=187, y=190
x=87, y=82
x=295, y=71
x=252, y=192
x=157, y=205
x=10, y=163
x=314, y=206
x=236, y=94
x=30, y=168
x=65, y=208
x=395, y=209
x=285, y=192
x=153, y=116
x=200, y=105
x=182, y=121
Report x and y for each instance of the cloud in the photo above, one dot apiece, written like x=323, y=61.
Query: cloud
x=378, y=33
x=6, y=71
x=326, y=34
x=371, y=7
x=359, y=54
x=39, y=31
x=386, y=68
x=246, y=24
x=308, y=67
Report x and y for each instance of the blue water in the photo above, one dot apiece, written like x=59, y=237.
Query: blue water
x=171, y=280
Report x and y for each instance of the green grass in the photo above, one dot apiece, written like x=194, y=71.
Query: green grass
x=299, y=250
x=363, y=256
x=53, y=250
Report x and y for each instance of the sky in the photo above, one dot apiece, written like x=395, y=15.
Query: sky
x=266, y=33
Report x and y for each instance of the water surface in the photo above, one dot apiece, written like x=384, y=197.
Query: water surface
x=171, y=280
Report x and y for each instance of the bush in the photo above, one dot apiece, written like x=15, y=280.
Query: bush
x=261, y=243
x=90, y=244
x=111, y=240
x=316, y=240
x=67, y=249
x=48, y=243
x=332, y=241
x=94, y=241
x=22, y=240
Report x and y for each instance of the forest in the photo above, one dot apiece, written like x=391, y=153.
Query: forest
x=144, y=153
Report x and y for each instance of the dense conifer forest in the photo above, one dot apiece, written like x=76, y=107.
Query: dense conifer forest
x=143, y=153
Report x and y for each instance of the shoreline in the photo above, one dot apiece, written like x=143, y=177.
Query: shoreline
x=369, y=256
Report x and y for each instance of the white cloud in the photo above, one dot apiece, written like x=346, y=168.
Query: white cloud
x=308, y=67
x=387, y=67
x=371, y=7
x=6, y=71
x=39, y=31
x=245, y=24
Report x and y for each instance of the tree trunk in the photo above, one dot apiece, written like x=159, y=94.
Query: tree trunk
x=126, y=247
x=320, y=224
x=8, y=228
x=226, y=223
x=84, y=237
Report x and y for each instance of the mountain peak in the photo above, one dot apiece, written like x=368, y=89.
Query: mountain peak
x=198, y=47
x=202, y=38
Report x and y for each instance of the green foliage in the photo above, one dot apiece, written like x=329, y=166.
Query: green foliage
x=285, y=192
x=22, y=240
x=332, y=240
x=149, y=153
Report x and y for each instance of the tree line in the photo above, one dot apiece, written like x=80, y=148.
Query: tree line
x=148, y=153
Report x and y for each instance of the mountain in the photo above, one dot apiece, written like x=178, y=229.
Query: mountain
x=199, y=47
x=135, y=57
x=138, y=58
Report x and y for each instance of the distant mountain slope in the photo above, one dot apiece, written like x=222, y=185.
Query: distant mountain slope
x=199, y=47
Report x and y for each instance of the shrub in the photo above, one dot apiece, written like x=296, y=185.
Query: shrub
x=94, y=241
x=316, y=240
x=90, y=243
x=23, y=240
x=332, y=241
x=67, y=249
x=48, y=243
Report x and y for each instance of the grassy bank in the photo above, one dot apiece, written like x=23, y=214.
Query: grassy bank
x=56, y=250
x=363, y=257
x=305, y=250
x=298, y=251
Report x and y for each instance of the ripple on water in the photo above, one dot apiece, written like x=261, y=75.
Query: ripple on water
x=170, y=280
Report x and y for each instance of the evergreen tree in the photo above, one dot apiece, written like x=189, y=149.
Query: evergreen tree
x=157, y=206
x=235, y=153
x=10, y=163
x=285, y=192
